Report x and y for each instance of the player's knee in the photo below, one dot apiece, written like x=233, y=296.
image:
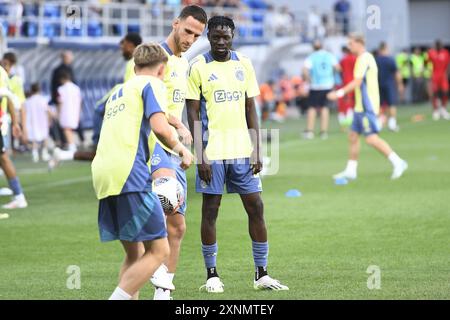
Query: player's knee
x=256, y=209
x=160, y=250
x=211, y=211
x=371, y=140
x=177, y=231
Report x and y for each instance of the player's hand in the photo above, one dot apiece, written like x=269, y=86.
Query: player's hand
x=16, y=131
x=185, y=135
x=186, y=158
x=332, y=96
x=204, y=172
x=256, y=167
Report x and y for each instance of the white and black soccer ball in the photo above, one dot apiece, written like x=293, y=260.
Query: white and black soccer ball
x=170, y=193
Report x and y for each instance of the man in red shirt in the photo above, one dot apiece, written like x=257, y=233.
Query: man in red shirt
x=440, y=59
x=346, y=103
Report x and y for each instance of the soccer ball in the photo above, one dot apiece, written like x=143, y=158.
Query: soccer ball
x=170, y=193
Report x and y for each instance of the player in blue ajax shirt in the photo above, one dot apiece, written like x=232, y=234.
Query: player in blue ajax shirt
x=221, y=90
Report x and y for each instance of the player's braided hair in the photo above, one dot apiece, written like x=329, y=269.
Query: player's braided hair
x=149, y=55
x=221, y=21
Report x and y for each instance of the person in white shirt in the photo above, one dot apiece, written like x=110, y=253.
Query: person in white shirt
x=69, y=109
x=38, y=112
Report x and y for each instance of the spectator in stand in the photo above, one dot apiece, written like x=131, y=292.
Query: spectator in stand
x=347, y=102
x=342, y=15
x=315, y=28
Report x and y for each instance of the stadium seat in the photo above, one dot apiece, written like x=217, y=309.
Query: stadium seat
x=74, y=32
x=30, y=29
x=134, y=28
x=51, y=11
x=95, y=29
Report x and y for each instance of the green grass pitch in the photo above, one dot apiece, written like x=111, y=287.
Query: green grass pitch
x=321, y=244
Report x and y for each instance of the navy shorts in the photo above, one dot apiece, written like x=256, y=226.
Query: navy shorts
x=388, y=95
x=164, y=159
x=236, y=174
x=133, y=217
x=318, y=98
x=365, y=123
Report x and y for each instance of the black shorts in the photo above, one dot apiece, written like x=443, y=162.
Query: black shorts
x=318, y=98
x=388, y=95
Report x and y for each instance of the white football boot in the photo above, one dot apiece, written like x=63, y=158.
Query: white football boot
x=267, y=283
x=18, y=202
x=160, y=279
x=399, y=169
x=444, y=113
x=436, y=115
x=347, y=174
x=213, y=285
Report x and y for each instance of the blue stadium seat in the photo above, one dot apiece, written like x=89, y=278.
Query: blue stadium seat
x=51, y=11
x=74, y=32
x=257, y=32
x=134, y=28
x=3, y=9
x=51, y=30
x=30, y=10
x=95, y=29
x=30, y=29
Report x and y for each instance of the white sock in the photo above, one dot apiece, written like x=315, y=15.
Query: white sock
x=72, y=147
x=392, y=122
x=394, y=158
x=119, y=294
x=352, y=165
x=20, y=197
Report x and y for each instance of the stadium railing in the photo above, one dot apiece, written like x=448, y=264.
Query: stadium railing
x=83, y=20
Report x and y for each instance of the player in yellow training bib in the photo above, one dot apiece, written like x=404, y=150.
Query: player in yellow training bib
x=11, y=101
x=221, y=91
x=128, y=210
x=367, y=107
x=128, y=44
x=187, y=28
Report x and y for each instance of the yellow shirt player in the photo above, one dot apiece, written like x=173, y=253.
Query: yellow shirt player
x=186, y=29
x=18, y=200
x=221, y=101
x=128, y=44
x=367, y=106
x=128, y=210
x=164, y=161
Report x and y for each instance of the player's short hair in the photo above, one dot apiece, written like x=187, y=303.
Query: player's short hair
x=195, y=12
x=149, y=55
x=358, y=37
x=382, y=46
x=11, y=57
x=65, y=75
x=134, y=38
x=221, y=21
x=35, y=87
